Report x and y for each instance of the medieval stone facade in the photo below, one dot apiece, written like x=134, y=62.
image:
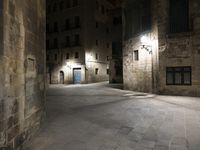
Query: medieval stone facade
x=161, y=46
x=78, y=41
x=22, y=70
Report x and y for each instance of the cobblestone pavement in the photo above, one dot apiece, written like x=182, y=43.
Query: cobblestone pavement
x=99, y=117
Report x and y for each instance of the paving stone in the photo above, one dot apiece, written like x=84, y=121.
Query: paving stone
x=104, y=122
x=125, y=130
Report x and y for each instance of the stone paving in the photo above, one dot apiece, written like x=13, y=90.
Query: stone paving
x=99, y=117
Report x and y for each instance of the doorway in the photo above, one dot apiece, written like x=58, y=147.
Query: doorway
x=61, y=77
x=77, y=76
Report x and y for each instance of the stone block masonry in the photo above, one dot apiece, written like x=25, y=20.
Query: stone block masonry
x=22, y=70
x=171, y=48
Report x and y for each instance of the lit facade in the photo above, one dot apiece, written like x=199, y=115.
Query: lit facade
x=161, y=47
x=78, y=41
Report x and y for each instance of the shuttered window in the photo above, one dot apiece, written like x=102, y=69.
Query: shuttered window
x=179, y=16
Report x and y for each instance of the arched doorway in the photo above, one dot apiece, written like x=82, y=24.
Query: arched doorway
x=62, y=77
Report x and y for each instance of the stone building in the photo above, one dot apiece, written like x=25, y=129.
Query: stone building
x=161, y=46
x=22, y=70
x=78, y=41
x=116, y=65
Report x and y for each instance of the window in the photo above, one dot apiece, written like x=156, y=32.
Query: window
x=97, y=5
x=178, y=76
x=76, y=55
x=77, y=40
x=55, y=57
x=97, y=56
x=179, y=16
x=108, y=71
x=47, y=57
x=47, y=28
x=77, y=22
x=55, y=43
x=146, y=23
x=47, y=44
x=102, y=9
x=136, y=55
x=97, y=42
x=96, y=71
x=55, y=27
x=67, y=24
x=75, y=3
x=108, y=45
x=107, y=58
x=97, y=24
x=61, y=5
x=55, y=7
x=117, y=20
x=67, y=41
x=67, y=56
x=49, y=8
x=68, y=4
x=107, y=30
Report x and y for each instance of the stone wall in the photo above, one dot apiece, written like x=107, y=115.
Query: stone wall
x=148, y=74
x=139, y=75
x=22, y=57
x=181, y=49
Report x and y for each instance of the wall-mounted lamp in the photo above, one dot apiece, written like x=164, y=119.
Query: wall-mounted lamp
x=146, y=44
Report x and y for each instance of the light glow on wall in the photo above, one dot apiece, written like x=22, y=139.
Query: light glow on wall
x=146, y=43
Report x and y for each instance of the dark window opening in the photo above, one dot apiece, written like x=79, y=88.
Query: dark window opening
x=97, y=24
x=55, y=27
x=146, y=23
x=136, y=55
x=49, y=8
x=76, y=55
x=179, y=16
x=55, y=7
x=97, y=56
x=107, y=58
x=107, y=30
x=102, y=9
x=77, y=22
x=55, y=57
x=108, y=71
x=108, y=45
x=55, y=43
x=47, y=57
x=96, y=71
x=47, y=44
x=77, y=40
x=75, y=3
x=179, y=76
x=67, y=24
x=97, y=5
x=67, y=56
x=97, y=42
x=67, y=41
x=47, y=28
x=117, y=20
x=61, y=5
x=68, y=4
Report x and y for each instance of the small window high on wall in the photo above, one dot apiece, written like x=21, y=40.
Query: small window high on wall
x=179, y=16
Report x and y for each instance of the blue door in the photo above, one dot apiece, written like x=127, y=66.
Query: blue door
x=77, y=76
